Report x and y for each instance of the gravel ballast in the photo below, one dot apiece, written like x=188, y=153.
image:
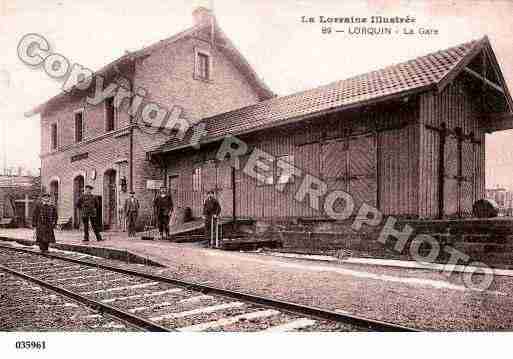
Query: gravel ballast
x=412, y=297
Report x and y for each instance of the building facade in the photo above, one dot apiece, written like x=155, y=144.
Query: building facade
x=408, y=140
x=503, y=198
x=198, y=72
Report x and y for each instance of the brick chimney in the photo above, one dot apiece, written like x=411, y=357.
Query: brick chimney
x=202, y=16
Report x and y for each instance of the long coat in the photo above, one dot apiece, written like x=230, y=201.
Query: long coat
x=211, y=207
x=88, y=204
x=131, y=205
x=44, y=218
x=163, y=205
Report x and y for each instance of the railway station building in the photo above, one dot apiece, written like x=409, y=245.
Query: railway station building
x=198, y=71
x=408, y=139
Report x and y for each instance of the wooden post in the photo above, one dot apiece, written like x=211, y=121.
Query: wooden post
x=234, y=198
x=441, y=171
x=460, y=138
x=483, y=86
x=217, y=231
x=211, y=232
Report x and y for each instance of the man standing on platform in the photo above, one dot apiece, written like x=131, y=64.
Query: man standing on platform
x=163, y=207
x=211, y=209
x=131, y=212
x=44, y=219
x=88, y=204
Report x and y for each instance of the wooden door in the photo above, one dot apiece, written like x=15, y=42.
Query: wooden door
x=349, y=165
x=335, y=167
x=459, y=176
x=451, y=180
x=362, y=180
x=110, y=197
x=78, y=190
x=173, y=181
x=308, y=158
x=467, y=179
x=209, y=177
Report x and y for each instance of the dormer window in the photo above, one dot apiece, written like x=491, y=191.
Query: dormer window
x=203, y=63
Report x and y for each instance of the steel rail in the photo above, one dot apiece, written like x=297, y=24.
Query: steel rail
x=101, y=307
x=371, y=324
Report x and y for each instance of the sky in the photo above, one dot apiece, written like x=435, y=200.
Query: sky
x=289, y=55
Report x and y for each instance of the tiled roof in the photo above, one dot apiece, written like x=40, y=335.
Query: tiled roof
x=225, y=45
x=412, y=76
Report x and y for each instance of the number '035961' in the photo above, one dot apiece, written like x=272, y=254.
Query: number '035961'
x=31, y=345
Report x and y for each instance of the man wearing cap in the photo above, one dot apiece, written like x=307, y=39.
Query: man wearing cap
x=44, y=219
x=211, y=209
x=88, y=205
x=131, y=210
x=163, y=204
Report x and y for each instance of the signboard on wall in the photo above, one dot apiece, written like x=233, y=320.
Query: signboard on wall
x=79, y=157
x=154, y=184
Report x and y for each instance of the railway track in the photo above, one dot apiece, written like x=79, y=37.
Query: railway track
x=154, y=302
x=27, y=306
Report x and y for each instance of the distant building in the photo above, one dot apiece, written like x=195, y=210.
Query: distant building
x=503, y=198
x=17, y=197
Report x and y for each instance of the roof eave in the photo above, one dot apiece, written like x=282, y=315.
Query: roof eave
x=40, y=108
x=264, y=91
x=458, y=67
x=495, y=63
x=481, y=45
x=498, y=122
x=295, y=119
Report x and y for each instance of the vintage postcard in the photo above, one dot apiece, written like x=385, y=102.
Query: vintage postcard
x=258, y=166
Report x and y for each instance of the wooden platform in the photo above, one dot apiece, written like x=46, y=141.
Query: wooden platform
x=249, y=243
x=490, y=226
x=7, y=222
x=186, y=232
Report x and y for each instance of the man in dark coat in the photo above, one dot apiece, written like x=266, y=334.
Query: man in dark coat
x=163, y=205
x=44, y=219
x=88, y=204
x=131, y=212
x=211, y=209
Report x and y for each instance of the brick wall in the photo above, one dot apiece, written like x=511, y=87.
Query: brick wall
x=102, y=156
x=168, y=77
x=62, y=113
